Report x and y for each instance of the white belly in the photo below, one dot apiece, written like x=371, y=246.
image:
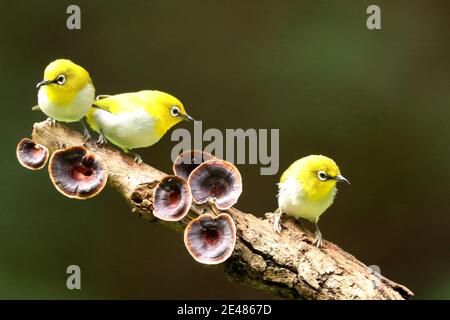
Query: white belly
x=292, y=201
x=128, y=130
x=71, y=112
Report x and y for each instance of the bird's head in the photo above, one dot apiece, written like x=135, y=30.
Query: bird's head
x=63, y=79
x=316, y=174
x=169, y=109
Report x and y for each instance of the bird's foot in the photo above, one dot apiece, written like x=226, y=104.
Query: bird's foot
x=318, y=239
x=86, y=134
x=51, y=121
x=277, y=220
x=101, y=140
x=137, y=158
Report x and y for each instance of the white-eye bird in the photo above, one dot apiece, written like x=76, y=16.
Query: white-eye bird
x=306, y=189
x=137, y=119
x=66, y=93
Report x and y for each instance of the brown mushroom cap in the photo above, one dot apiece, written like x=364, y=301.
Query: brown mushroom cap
x=171, y=199
x=210, y=240
x=216, y=180
x=31, y=155
x=188, y=161
x=76, y=173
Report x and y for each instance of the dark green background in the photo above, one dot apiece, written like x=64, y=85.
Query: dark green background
x=375, y=101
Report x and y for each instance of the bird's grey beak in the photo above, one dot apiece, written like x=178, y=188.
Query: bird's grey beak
x=340, y=177
x=187, y=117
x=43, y=83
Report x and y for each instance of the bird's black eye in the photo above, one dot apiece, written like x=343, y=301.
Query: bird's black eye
x=60, y=79
x=175, y=111
x=322, y=176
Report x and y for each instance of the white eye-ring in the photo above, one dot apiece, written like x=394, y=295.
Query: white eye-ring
x=60, y=79
x=322, y=175
x=175, y=111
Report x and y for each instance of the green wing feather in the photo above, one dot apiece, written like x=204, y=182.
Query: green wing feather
x=125, y=102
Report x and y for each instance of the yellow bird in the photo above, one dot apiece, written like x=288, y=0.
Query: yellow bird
x=137, y=119
x=66, y=93
x=306, y=189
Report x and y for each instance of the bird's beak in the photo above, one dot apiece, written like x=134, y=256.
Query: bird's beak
x=187, y=117
x=43, y=83
x=340, y=177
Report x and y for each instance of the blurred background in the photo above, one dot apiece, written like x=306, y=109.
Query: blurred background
x=375, y=101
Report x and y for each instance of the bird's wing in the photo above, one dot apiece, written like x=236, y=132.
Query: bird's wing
x=125, y=102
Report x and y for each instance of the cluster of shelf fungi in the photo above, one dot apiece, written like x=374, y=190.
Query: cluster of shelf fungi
x=198, y=177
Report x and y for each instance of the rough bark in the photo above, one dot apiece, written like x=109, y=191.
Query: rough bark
x=286, y=264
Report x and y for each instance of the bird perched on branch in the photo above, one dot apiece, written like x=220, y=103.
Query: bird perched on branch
x=137, y=119
x=66, y=93
x=306, y=189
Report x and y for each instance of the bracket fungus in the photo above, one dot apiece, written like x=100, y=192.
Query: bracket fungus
x=171, y=199
x=31, y=155
x=188, y=161
x=76, y=173
x=209, y=239
x=218, y=181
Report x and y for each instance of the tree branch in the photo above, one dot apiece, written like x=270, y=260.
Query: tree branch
x=286, y=264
